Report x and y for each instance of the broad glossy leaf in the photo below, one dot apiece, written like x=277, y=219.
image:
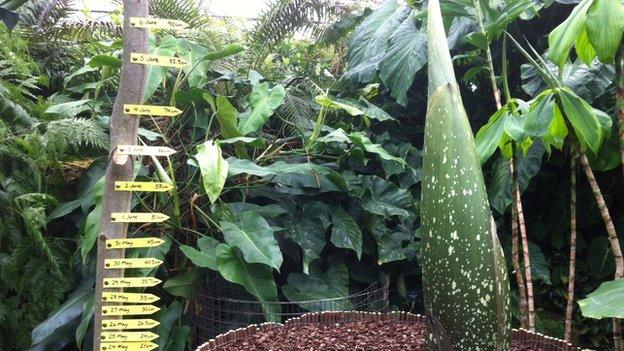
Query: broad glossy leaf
x=600, y=258
x=584, y=49
x=104, y=61
x=239, y=166
x=407, y=54
x=605, y=25
x=345, y=231
x=583, y=119
x=489, y=136
x=183, y=284
x=264, y=102
x=227, y=116
x=371, y=37
x=558, y=130
x=605, y=302
x=539, y=264
x=257, y=279
x=196, y=70
x=500, y=190
x=254, y=237
x=214, y=169
x=345, y=105
x=205, y=256
x=319, y=285
x=308, y=231
x=540, y=117
x=69, y=109
x=365, y=143
x=561, y=39
x=156, y=74
x=92, y=223
x=167, y=316
x=386, y=199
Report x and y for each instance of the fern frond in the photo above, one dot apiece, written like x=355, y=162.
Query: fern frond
x=185, y=10
x=72, y=133
x=285, y=17
x=296, y=113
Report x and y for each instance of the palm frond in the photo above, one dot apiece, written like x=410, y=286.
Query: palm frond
x=296, y=113
x=185, y=10
x=285, y=17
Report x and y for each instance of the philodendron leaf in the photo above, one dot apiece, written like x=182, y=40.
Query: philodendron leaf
x=605, y=25
x=156, y=74
x=264, y=102
x=583, y=119
x=464, y=272
x=214, y=169
x=386, y=199
x=561, y=39
x=227, y=116
x=205, y=256
x=345, y=231
x=405, y=57
x=254, y=237
x=319, y=285
x=308, y=230
x=257, y=279
x=606, y=302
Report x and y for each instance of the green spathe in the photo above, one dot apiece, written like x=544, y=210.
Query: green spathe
x=464, y=272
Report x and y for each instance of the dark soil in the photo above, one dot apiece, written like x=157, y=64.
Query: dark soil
x=346, y=336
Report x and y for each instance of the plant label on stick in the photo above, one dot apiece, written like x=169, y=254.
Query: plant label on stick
x=164, y=111
x=111, y=324
x=121, y=263
x=133, y=243
x=131, y=282
x=129, y=297
x=145, y=150
x=158, y=23
x=129, y=336
x=129, y=310
x=127, y=346
x=138, y=217
x=143, y=186
x=156, y=60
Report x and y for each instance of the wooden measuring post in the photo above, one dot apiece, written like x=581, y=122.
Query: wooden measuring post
x=123, y=131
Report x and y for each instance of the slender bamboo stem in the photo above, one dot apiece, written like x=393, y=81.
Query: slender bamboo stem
x=572, y=272
x=525, y=246
x=613, y=239
x=516, y=225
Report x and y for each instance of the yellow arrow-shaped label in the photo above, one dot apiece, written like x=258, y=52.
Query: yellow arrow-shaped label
x=119, y=263
x=138, y=282
x=133, y=243
x=129, y=310
x=143, y=186
x=109, y=324
x=145, y=150
x=158, y=23
x=165, y=111
x=127, y=346
x=129, y=297
x=156, y=60
x=128, y=336
x=138, y=217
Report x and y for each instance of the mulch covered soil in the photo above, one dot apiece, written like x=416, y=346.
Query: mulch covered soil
x=345, y=336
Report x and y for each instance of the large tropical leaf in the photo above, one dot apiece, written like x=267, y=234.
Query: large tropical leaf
x=156, y=74
x=605, y=302
x=308, y=230
x=214, y=169
x=464, y=272
x=605, y=26
x=345, y=231
x=406, y=55
x=264, y=102
x=583, y=119
x=318, y=286
x=562, y=38
x=257, y=279
x=254, y=237
x=386, y=199
x=205, y=256
x=371, y=37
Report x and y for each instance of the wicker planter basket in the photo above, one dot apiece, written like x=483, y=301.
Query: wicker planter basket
x=532, y=339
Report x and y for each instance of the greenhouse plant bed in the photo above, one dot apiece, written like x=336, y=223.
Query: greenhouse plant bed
x=353, y=331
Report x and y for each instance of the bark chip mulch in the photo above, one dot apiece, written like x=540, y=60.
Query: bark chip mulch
x=344, y=336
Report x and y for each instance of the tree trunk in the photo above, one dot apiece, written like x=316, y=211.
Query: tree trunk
x=525, y=246
x=123, y=130
x=613, y=239
x=570, y=302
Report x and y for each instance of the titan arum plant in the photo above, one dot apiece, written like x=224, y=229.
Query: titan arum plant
x=464, y=272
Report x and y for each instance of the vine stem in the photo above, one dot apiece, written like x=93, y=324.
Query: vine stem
x=517, y=216
x=572, y=271
x=613, y=240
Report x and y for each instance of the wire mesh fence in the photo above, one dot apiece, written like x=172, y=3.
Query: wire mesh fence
x=222, y=306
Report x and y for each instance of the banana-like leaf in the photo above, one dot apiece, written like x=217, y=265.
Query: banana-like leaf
x=464, y=272
x=606, y=301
